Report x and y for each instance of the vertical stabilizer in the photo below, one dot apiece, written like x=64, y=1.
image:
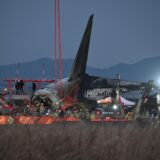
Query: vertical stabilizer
x=79, y=65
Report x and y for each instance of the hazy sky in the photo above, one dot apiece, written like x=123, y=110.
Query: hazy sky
x=123, y=30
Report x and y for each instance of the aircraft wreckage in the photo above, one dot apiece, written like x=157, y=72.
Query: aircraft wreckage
x=88, y=97
x=86, y=88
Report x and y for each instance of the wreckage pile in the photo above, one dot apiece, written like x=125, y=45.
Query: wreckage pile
x=48, y=112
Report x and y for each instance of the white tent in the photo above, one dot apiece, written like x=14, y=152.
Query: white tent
x=126, y=102
x=122, y=100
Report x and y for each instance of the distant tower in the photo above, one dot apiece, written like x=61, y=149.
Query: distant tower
x=43, y=72
x=17, y=72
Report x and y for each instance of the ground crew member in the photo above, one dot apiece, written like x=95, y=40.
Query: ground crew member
x=10, y=120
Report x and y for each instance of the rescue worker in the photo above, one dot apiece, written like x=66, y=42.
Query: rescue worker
x=33, y=87
x=10, y=120
x=17, y=87
x=21, y=83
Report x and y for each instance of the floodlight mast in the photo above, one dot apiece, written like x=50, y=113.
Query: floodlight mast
x=115, y=90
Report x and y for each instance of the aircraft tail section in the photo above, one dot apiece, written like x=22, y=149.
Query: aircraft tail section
x=79, y=66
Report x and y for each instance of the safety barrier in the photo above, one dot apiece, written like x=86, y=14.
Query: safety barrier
x=48, y=120
x=34, y=119
x=4, y=119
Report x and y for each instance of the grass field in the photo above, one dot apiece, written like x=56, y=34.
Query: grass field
x=80, y=141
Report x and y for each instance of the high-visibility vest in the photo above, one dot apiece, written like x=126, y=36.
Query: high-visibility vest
x=10, y=120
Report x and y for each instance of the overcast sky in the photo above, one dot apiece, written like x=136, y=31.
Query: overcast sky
x=123, y=30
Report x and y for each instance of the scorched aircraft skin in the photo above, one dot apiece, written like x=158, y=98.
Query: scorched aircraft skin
x=82, y=86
